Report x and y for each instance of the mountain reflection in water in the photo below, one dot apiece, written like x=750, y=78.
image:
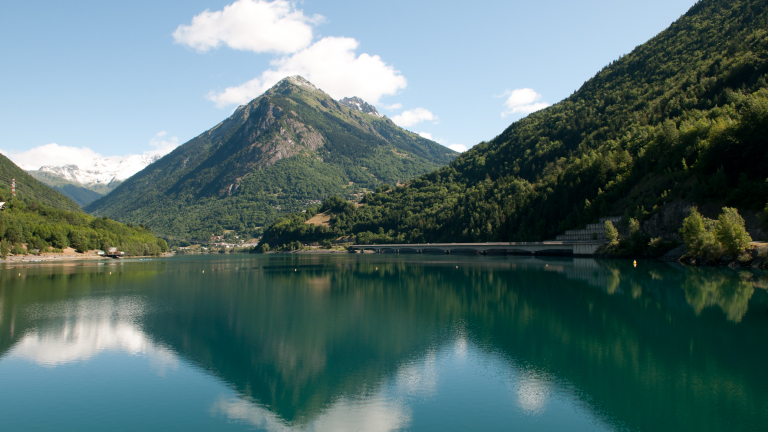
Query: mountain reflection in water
x=361, y=342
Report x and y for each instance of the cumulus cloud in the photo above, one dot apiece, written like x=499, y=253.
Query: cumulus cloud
x=394, y=106
x=250, y=25
x=56, y=155
x=428, y=136
x=332, y=65
x=161, y=145
x=85, y=158
x=259, y=26
x=461, y=148
x=414, y=116
x=522, y=101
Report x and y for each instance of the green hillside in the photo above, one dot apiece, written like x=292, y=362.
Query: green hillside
x=284, y=150
x=78, y=194
x=27, y=187
x=38, y=217
x=683, y=116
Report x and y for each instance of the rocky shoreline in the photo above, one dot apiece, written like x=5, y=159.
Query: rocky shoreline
x=754, y=258
x=66, y=257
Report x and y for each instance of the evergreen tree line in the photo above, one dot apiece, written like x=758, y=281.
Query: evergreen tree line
x=682, y=117
x=28, y=223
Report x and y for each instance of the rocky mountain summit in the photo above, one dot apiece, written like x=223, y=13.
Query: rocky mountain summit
x=292, y=145
x=358, y=104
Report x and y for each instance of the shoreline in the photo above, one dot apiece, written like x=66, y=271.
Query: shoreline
x=676, y=255
x=68, y=258
x=311, y=251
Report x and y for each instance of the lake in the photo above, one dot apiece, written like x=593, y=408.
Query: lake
x=381, y=343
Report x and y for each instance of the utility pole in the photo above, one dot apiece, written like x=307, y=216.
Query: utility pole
x=13, y=186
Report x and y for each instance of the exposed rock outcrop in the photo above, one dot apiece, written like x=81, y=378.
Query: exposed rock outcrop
x=358, y=104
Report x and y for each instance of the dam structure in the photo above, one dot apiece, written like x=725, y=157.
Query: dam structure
x=582, y=242
x=569, y=248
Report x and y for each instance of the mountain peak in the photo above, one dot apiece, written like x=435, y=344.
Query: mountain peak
x=296, y=80
x=358, y=104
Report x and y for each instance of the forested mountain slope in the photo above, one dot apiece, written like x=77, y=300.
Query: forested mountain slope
x=683, y=116
x=40, y=218
x=285, y=149
x=27, y=187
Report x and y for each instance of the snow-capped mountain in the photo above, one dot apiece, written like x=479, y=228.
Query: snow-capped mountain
x=101, y=171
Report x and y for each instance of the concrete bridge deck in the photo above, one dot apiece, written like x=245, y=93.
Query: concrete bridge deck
x=510, y=248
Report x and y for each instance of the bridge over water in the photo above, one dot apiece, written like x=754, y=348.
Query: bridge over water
x=507, y=248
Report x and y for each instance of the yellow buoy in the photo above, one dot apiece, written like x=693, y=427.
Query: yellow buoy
x=635, y=263
x=203, y=271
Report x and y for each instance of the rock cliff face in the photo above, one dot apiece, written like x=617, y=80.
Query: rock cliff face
x=292, y=145
x=358, y=104
x=668, y=220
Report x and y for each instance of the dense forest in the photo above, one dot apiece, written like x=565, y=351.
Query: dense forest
x=682, y=117
x=283, y=151
x=40, y=218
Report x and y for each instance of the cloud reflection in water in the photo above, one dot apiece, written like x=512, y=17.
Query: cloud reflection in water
x=77, y=331
x=532, y=393
x=375, y=414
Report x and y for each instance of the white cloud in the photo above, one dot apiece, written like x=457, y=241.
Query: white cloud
x=332, y=65
x=414, y=116
x=461, y=148
x=54, y=154
x=278, y=27
x=522, y=101
x=161, y=145
x=250, y=25
x=394, y=106
x=85, y=158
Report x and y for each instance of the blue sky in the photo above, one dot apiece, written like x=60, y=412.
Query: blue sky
x=119, y=78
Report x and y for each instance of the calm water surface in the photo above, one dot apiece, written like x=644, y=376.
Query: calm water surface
x=382, y=343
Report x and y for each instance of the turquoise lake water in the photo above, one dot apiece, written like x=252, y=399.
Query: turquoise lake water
x=382, y=343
